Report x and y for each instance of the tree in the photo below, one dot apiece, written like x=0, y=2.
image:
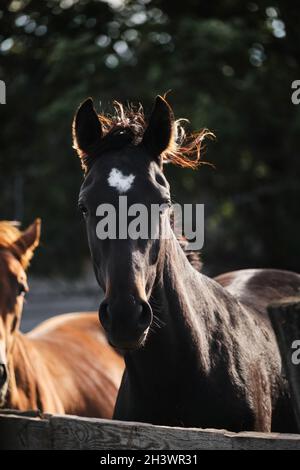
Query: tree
x=230, y=66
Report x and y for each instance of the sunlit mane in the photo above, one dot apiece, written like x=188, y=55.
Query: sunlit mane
x=184, y=149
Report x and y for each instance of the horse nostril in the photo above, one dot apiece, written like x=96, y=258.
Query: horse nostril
x=104, y=315
x=3, y=374
x=145, y=315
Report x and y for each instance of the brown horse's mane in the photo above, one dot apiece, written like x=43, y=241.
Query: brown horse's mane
x=9, y=234
x=184, y=148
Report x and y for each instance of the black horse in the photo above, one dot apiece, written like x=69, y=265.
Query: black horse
x=213, y=362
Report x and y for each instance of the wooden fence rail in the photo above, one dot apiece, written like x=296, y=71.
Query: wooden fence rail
x=33, y=431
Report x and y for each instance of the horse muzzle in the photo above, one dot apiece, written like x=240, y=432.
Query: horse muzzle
x=126, y=323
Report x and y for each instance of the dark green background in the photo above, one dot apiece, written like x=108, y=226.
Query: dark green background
x=230, y=65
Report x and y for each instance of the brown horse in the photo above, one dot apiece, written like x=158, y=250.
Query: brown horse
x=65, y=364
x=214, y=362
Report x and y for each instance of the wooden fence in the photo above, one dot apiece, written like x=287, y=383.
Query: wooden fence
x=31, y=430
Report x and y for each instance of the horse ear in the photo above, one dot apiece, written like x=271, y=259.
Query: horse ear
x=28, y=241
x=87, y=129
x=160, y=131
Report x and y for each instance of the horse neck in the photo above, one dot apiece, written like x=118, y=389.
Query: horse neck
x=24, y=389
x=185, y=302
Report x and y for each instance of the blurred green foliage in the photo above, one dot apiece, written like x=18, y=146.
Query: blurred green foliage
x=229, y=65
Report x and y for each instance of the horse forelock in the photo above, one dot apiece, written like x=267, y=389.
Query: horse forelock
x=127, y=125
x=9, y=234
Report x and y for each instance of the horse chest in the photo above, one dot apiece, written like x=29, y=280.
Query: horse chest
x=181, y=401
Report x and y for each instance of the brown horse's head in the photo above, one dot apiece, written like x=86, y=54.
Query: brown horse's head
x=123, y=160
x=16, y=250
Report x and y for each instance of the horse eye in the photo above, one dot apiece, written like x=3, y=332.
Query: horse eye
x=83, y=209
x=21, y=289
x=160, y=179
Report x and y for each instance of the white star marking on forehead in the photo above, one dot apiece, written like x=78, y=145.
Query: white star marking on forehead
x=120, y=182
